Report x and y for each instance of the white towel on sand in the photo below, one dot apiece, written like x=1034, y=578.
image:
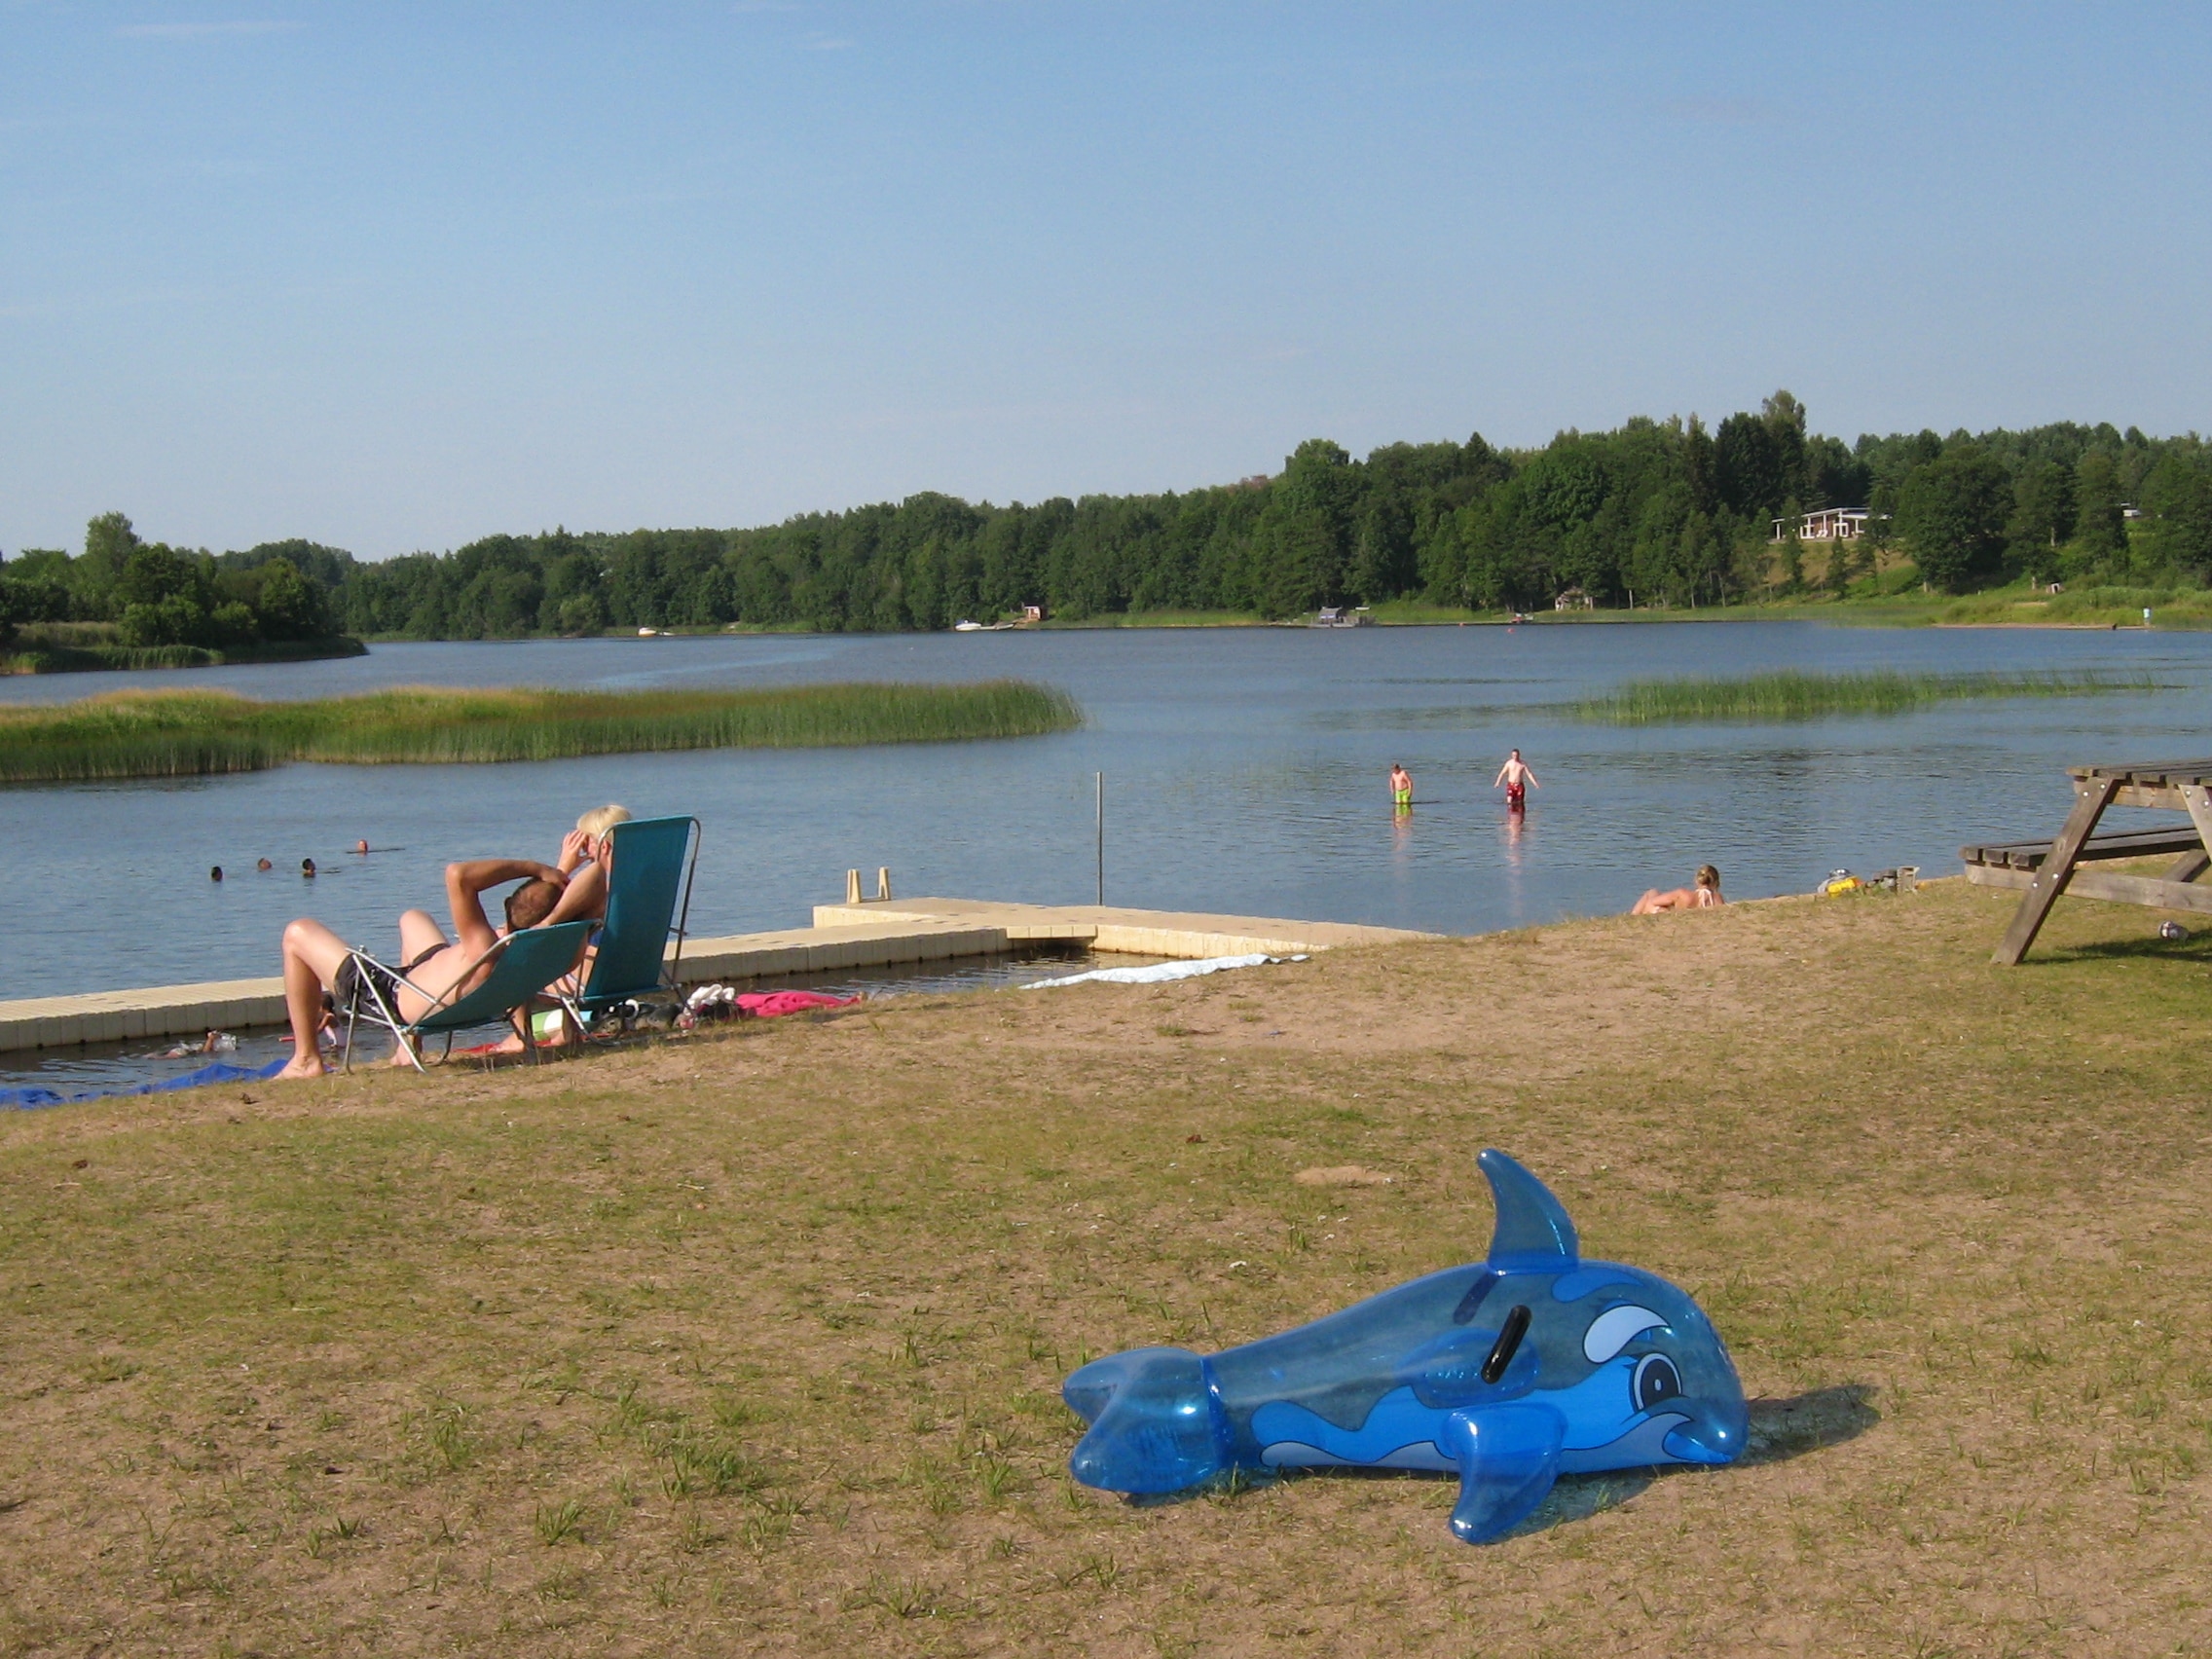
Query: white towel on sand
x=1159, y=972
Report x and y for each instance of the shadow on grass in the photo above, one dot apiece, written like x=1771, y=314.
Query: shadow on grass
x=1779, y=1430
x=2195, y=948
x=1783, y=1430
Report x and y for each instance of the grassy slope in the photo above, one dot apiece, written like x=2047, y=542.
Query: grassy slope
x=751, y=1343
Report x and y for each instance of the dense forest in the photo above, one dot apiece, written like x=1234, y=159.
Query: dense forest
x=158, y=596
x=1656, y=512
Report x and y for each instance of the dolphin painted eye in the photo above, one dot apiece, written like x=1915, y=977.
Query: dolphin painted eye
x=1656, y=1380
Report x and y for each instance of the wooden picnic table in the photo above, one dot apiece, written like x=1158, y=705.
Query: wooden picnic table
x=2044, y=869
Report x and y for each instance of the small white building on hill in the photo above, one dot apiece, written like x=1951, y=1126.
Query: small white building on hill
x=1829, y=524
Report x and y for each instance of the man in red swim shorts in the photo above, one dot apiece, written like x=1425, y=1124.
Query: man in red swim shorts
x=1516, y=778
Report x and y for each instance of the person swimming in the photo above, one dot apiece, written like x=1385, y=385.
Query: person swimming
x=264, y=864
x=307, y=869
x=1705, y=896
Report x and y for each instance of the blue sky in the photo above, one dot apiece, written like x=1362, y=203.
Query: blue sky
x=396, y=276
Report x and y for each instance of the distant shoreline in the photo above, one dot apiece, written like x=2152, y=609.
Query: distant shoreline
x=1926, y=613
x=39, y=656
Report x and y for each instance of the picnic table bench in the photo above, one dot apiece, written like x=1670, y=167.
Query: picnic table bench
x=2044, y=869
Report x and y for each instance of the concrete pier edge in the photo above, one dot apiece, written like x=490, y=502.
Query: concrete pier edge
x=873, y=934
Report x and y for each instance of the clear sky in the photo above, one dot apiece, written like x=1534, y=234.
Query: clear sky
x=398, y=276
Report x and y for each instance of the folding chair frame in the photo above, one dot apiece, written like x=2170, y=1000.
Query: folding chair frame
x=406, y=1033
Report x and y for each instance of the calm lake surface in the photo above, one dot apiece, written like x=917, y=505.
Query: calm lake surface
x=1245, y=772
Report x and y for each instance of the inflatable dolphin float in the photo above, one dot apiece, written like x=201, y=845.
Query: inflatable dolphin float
x=1512, y=1372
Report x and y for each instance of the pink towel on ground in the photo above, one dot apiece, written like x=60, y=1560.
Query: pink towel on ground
x=766, y=1005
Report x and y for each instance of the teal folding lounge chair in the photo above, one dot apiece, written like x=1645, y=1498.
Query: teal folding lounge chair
x=527, y=963
x=648, y=901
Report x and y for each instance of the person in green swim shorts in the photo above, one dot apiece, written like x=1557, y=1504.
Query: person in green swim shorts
x=1401, y=788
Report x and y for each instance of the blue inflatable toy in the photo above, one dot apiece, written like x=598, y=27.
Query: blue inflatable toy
x=1513, y=1372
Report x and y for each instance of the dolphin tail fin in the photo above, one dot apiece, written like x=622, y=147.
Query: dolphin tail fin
x=1508, y=1458
x=1155, y=1424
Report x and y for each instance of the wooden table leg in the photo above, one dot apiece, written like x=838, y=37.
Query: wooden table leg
x=2198, y=799
x=2188, y=866
x=2091, y=798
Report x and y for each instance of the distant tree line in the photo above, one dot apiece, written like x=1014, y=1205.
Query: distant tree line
x=1656, y=512
x=157, y=594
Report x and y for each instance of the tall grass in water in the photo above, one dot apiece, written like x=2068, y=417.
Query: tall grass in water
x=182, y=734
x=1788, y=695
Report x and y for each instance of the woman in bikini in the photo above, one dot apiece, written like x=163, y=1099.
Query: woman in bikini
x=1705, y=896
x=316, y=959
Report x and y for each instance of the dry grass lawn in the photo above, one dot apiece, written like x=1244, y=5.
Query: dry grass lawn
x=751, y=1342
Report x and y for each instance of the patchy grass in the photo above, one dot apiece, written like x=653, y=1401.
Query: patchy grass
x=1790, y=695
x=2084, y=606
x=751, y=1343
x=138, y=734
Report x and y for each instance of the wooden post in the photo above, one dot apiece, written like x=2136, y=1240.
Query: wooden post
x=2188, y=866
x=2198, y=799
x=852, y=887
x=2091, y=798
x=1101, y=780
x=883, y=882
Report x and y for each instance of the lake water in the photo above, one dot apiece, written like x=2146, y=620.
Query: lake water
x=1245, y=772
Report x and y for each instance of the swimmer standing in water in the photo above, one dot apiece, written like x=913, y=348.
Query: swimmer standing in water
x=1517, y=778
x=1401, y=788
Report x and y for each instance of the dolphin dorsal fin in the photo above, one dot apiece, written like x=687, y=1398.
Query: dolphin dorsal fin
x=1534, y=1233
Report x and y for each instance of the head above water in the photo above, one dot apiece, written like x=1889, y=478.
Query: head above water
x=1517, y=754
x=531, y=904
x=1708, y=876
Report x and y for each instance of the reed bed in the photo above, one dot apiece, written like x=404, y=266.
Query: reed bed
x=1790, y=695
x=190, y=733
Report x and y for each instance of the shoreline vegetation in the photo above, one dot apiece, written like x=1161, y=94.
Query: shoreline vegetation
x=1790, y=695
x=172, y=734
x=1759, y=510
x=40, y=653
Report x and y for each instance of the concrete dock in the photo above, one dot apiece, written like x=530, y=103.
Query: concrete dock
x=877, y=933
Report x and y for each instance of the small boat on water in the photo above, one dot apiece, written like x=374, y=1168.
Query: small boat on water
x=964, y=626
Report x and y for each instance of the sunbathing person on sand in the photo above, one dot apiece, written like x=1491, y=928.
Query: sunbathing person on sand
x=315, y=959
x=1705, y=896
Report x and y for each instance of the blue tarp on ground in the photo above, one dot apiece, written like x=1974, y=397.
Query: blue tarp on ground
x=217, y=1073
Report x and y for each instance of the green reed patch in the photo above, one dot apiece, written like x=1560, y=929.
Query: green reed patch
x=1790, y=695
x=187, y=733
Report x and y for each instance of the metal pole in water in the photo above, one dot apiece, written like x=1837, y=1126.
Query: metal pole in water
x=1101, y=780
